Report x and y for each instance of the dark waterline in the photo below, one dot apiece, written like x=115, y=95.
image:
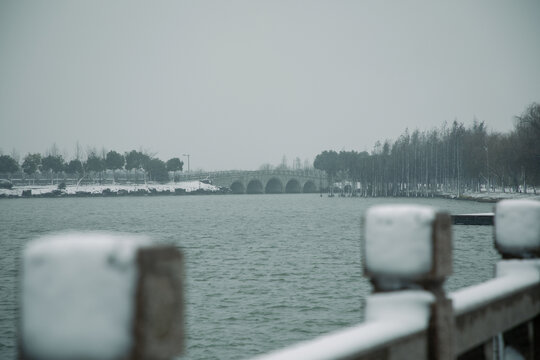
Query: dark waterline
x=263, y=271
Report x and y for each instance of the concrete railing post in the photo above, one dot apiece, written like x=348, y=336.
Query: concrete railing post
x=99, y=296
x=517, y=238
x=409, y=247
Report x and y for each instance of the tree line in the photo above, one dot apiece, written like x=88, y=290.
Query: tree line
x=452, y=159
x=95, y=164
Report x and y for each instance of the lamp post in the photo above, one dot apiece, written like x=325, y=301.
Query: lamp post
x=487, y=167
x=188, y=155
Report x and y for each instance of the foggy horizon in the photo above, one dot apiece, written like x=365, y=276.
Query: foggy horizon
x=240, y=84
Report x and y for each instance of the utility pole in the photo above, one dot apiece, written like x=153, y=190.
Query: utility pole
x=188, y=155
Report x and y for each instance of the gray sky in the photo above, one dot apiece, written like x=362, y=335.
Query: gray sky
x=240, y=83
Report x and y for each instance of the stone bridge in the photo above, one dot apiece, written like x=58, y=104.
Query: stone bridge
x=264, y=181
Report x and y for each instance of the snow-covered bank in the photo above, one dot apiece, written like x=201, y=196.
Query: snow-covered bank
x=492, y=196
x=123, y=189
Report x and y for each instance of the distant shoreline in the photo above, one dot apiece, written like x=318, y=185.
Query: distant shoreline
x=53, y=191
x=195, y=188
x=491, y=197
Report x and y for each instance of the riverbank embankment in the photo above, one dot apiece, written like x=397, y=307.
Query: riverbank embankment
x=179, y=188
x=491, y=197
x=197, y=188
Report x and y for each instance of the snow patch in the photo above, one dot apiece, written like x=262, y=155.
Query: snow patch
x=523, y=268
x=409, y=308
x=78, y=294
x=517, y=226
x=478, y=214
x=188, y=186
x=512, y=276
x=398, y=241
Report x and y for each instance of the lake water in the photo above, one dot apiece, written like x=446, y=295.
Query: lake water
x=263, y=271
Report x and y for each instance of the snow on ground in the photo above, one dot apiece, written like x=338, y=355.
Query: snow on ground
x=36, y=190
x=188, y=186
x=495, y=195
x=78, y=293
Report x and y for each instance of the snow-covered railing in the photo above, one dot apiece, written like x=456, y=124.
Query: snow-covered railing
x=96, y=296
x=407, y=255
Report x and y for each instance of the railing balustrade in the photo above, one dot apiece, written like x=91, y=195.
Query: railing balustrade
x=406, y=256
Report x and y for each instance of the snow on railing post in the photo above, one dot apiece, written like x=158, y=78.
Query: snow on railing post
x=517, y=238
x=99, y=296
x=410, y=247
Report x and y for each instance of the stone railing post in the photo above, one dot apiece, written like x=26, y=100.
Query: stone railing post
x=517, y=238
x=99, y=296
x=409, y=247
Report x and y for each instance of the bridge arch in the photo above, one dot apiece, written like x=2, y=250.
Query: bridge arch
x=238, y=181
x=254, y=187
x=238, y=187
x=274, y=186
x=293, y=187
x=309, y=187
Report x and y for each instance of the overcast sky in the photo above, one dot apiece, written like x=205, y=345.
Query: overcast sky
x=240, y=83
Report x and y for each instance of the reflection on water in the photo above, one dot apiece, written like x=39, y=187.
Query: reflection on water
x=263, y=271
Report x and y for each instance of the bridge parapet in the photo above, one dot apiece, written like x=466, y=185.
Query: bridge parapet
x=263, y=181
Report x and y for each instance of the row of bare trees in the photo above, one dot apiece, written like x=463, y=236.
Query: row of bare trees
x=451, y=159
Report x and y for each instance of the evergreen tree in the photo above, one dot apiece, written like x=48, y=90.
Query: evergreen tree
x=114, y=161
x=31, y=164
x=8, y=165
x=53, y=164
x=74, y=167
x=174, y=164
x=157, y=170
x=95, y=164
x=328, y=161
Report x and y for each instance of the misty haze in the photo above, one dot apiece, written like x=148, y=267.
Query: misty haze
x=242, y=176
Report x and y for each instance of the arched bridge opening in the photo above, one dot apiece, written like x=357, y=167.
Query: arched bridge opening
x=274, y=186
x=309, y=187
x=254, y=187
x=238, y=187
x=260, y=182
x=293, y=187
